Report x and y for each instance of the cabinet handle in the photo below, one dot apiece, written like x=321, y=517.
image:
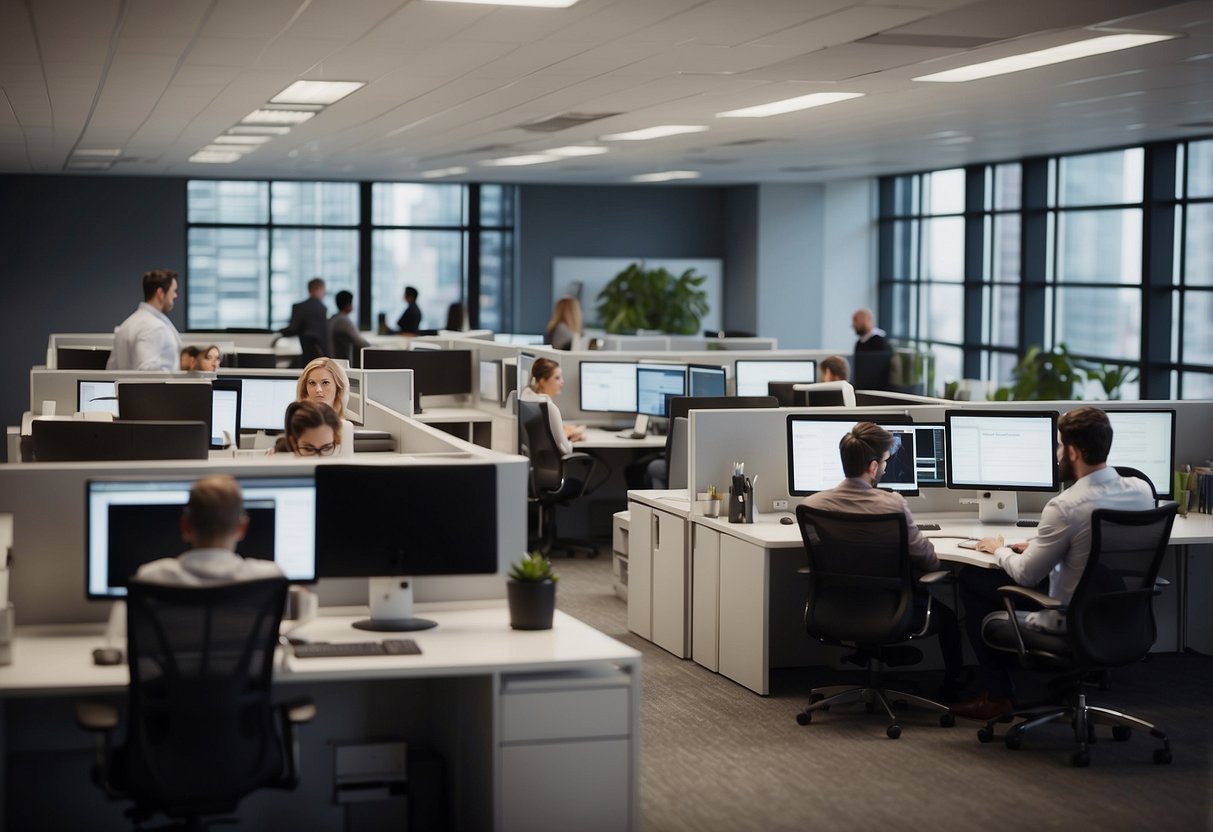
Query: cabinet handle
x=656, y=531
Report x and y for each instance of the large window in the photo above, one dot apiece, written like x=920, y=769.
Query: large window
x=253, y=246
x=1109, y=253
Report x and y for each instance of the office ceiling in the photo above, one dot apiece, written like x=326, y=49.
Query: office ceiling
x=454, y=85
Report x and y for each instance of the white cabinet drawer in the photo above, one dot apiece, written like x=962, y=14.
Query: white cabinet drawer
x=565, y=714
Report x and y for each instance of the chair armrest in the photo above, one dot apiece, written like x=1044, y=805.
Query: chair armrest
x=1039, y=598
x=939, y=576
x=299, y=711
x=580, y=460
x=95, y=716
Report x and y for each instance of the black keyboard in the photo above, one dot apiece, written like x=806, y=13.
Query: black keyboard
x=928, y=527
x=1027, y=524
x=387, y=647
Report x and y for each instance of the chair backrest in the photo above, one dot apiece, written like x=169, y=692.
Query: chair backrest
x=1127, y=471
x=535, y=441
x=1114, y=625
x=861, y=586
x=201, y=730
x=827, y=394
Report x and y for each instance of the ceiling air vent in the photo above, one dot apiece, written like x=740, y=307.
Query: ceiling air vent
x=564, y=121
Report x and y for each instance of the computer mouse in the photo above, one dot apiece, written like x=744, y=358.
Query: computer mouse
x=107, y=655
x=787, y=521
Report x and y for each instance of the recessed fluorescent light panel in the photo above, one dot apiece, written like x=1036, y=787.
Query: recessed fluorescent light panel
x=286, y=117
x=544, y=4
x=258, y=130
x=316, y=92
x=214, y=157
x=441, y=172
x=98, y=152
x=242, y=139
x=240, y=149
x=666, y=176
x=1044, y=57
x=790, y=105
x=519, y=161
x=659, y=132
x=576, y=150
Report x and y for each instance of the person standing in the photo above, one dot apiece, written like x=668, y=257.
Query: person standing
x=565, y=325
x=148, y=340
x=410, y=321
x=347, y=340
x=310, y=321
x=871, y=337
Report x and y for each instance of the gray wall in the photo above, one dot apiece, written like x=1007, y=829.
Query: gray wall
x=72, y=251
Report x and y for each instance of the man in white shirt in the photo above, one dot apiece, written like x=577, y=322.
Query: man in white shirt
x=148, y=340
x=1058, y=552
x=213, y=523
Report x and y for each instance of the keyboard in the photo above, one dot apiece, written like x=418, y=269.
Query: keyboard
x=328, y=650
x=928, y=527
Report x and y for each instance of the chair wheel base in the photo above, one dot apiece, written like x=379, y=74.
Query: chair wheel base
x=1013, y=740
x=947, y=720
x=1162, y=756
x=804, y=718
x=985, y=734
x=1121, y=733
x=893, y=731
x=1080, y=759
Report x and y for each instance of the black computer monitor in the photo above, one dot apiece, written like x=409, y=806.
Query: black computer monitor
x=607, y=386
x=385, y=522
x=999, y=453
x=526, y=361
x=785, y=393
x=655, y=384
x=179, y=401
x=705, y=380
x=225, y=411
x=263, y=401
x=1145, y=440
x=96, y=396
x=509, y=379
x=79, y=440
x=814, y=462
x=131, y=522
x=929, y=450
x=81, y=358
x=436, y=372
x=753, y=376
x=491, y=389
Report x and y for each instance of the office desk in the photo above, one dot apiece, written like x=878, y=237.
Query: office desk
x=504, y=709
x=600, y=439
x=467, y=423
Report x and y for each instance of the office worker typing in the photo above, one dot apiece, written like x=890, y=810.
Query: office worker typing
x=324, y=381
x=1058, y=552
x=865, y=454
x=547, y=381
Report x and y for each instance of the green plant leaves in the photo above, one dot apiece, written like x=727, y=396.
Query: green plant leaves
x=639, y=298
x=533, y=568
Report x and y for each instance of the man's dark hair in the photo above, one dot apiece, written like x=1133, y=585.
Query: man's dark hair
x=157, y=279
x=866, y=442
x=314, y=284
x=344, y=298
x=838, y=366
x=1088, y=430
x=410, y=294
x=215, y=508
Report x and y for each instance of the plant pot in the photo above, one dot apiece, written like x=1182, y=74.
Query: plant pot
x=532, y=604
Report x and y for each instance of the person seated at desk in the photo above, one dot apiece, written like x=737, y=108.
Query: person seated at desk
x=835, y=368
x=325, y=381
x=311, y=429
x=1058, y=552
x=196, y=359
x=212, y=524
x=547, y=381
x=865, y=453
x=565, y=325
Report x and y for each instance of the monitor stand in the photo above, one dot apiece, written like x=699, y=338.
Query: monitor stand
x=1000, y=508
x=391, y=601
x=641, y=429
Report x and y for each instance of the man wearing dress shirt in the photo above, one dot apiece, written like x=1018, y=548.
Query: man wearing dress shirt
x=1058, y=552
x=347, y=340
x=310, y=321
x=147, y=340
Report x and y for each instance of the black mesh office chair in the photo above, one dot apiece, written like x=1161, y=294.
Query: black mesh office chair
x=555, y=478
x=201, y=730
x=1107, y=626
x=861, y=592
x=1126, y=471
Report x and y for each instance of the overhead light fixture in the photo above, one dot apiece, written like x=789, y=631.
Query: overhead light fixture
x=576, y=150
x=88, y=164
x=544, y=4
x=229, y=148
x=519, y=161
x=659, y=132
x=258, y=130
x=242, y=139
x=667, y=176
x=98, y=152
x=316, y=92
x=287, y=117
x=1044, y=57
x=215, y=157
x=439, y=173
x=790, y=105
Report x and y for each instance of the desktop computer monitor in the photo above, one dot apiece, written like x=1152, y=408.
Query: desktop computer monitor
x=655, y=384
x=436, y=372
x=928, y=446
x=491, y=389
x=526, y=360
x=753, y=377
x=606, y=386
x=385, y=522
x=999, y=453
x=225, y=412
x=263, y=401
x=178, y=401
x=1145, y=440
x=81, y=358
x=705, y=380
x=96, y=396
x=80, y=440
x=814, y=463
x=131, y=522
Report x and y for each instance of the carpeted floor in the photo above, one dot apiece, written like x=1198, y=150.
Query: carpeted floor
x=715, y=756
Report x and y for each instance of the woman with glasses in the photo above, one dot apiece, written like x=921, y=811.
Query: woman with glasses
x=311, y=429
x=323, y=381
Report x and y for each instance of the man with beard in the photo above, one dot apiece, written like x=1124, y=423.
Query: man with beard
x=865, y=454
x=1058, y=552
x=147, y=340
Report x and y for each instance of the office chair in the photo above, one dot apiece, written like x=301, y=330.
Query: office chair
x=826, y=394
x=1126, y=471
x=861, y=594
x=201, y=730
x=555, y=478
x=1106, y=627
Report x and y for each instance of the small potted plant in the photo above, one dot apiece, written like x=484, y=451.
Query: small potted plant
x=531, y=591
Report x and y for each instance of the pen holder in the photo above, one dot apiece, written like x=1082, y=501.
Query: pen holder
x=737, y=505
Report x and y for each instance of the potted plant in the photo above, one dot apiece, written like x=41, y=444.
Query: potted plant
x=531, y=592
x=1044, y=375
x=653, y=299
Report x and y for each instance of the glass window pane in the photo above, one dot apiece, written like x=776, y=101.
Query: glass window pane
x=497, y=204
x=315, y=203
x=999, y=368
x=1102, y=178
x=1197, y=328
x=228, y=285
x=905, y=196
x=1200, y=168
x=942, y=312
x=905, y=250
x=406, y=203
x=902, y=314
x=944, y=249
x=1100, y=322
x=1198, y=386
x=1005, y=260
x=949, y=364
x=1099, y=246
x=496, y=279
x=228, y=201
x=945, y=192
x=1198, y=251
x=430, y=261
x=301, y=254
x=1000, y=311
x=1008, y=186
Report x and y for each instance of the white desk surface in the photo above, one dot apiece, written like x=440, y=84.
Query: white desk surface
x=451, y=414
x=597, y=438
x=472, y=638
x=675, y=502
